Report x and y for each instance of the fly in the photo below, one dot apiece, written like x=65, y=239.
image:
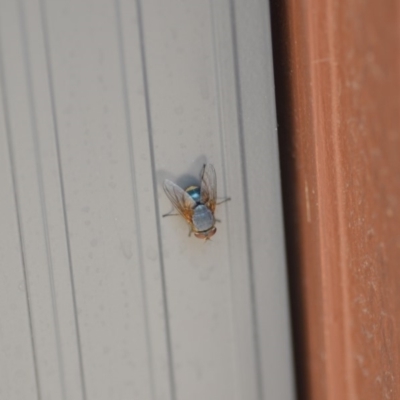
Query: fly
x=197, y=204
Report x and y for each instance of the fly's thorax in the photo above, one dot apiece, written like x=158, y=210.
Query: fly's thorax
x=203, y=218
x=194, y=193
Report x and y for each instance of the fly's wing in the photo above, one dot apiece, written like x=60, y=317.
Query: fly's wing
x=208, y=187
x=183, y=203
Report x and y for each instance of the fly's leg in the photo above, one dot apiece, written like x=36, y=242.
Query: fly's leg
x=202, y=172
x=170, y=214
x=190, y=231
x=224, y=201
x=217, y=220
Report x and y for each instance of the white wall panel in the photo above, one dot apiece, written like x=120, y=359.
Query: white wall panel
x=101, y=298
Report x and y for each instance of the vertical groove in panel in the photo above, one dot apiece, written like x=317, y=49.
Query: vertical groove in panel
x=156, y=205
x=39, y=173
x=18, y=217
x=62, y=189
x=220, y=124
x=257, y=346
x=139, y=242
x=224, y=173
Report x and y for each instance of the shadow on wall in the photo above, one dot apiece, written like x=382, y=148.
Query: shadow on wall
x=192, y=177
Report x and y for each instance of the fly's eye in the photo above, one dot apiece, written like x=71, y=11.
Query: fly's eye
x=212, y=232
x=206, y=235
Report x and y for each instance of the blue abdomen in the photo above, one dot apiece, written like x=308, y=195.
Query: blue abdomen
x=194, y=193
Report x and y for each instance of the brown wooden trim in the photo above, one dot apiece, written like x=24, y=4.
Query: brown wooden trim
x=338, y=86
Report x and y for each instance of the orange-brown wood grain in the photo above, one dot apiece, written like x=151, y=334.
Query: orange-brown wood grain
x=337, y=72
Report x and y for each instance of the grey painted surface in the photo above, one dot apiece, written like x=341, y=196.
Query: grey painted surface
x=100, y=298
